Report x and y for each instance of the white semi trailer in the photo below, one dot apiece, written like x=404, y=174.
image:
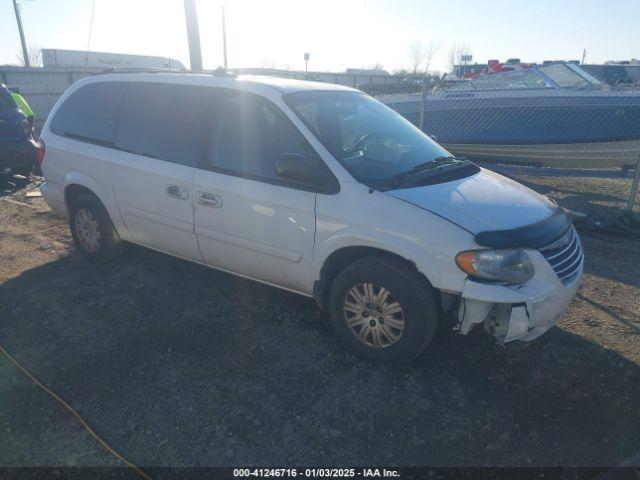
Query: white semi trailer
x=55, y=58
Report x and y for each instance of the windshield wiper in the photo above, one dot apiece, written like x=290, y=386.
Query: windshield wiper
x=397, y=179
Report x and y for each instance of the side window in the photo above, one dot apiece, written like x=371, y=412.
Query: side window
x=164, y=121
x=90, y=112
x=252, y=135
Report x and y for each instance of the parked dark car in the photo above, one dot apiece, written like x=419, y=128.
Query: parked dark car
x=18, y=149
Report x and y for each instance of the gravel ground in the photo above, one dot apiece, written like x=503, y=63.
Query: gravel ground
x=178, y=365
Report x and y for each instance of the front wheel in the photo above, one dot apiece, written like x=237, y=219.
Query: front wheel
x=383, y=309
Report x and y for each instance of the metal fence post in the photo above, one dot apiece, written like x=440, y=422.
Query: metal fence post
x=634, y=188
x=423, y=102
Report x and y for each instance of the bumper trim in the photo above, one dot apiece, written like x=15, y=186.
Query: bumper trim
x=54, y=196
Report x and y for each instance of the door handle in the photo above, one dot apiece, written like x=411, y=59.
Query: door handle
x=209, y=199
x=178, y=192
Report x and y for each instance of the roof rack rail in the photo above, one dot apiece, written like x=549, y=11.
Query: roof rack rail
x=223, y=72
x=218, y=72
x=141, y=70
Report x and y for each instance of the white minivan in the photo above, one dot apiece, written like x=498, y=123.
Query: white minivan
x=314, y=188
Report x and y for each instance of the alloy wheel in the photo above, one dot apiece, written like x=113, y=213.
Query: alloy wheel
x=374, y=315
x=87, y=230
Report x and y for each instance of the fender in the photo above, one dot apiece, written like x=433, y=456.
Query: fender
x=105, y=196
x=427, y=262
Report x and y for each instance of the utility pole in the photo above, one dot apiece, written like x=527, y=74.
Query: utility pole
x=86, y=56
x=224, y=38
x=193, y=35
x=584, y=55
x=25, y=53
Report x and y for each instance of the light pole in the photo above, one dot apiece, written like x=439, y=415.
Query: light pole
x=25, y=53
x=306, y=62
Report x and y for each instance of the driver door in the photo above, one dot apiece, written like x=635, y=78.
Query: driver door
x=247, y=219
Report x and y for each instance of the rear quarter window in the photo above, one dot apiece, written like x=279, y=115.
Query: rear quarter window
x=90, y=113
x=164, y=121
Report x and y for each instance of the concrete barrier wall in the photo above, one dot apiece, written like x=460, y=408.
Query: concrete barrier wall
x=41, y=87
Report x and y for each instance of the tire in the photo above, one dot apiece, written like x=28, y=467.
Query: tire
x=92, y=230
x=401, y=336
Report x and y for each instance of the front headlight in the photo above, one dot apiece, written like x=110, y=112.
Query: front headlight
x=510, y=266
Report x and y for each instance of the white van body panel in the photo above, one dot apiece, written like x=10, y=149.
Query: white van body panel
x=72, y=162
x=153, y=216
x=482, y=202
x=356, y=217
x=256, y=229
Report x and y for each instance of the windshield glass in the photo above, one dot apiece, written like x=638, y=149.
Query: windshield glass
x=569, y=76
x=522, y=79
x=372, y=141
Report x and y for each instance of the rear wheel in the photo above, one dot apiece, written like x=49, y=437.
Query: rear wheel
x=383, y=309
x=93, y=232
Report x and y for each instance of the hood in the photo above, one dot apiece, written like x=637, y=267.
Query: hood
x=483, y=202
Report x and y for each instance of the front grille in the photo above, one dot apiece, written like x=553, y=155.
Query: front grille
x=565, y=256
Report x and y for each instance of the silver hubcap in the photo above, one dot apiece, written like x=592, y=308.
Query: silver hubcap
x=373, y=315
x=87, y=230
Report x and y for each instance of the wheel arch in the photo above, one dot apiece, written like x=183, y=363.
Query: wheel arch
x=73, y=191
x=340, y=258
x=77, y=183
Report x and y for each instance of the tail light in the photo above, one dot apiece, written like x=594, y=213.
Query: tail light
x=27, y=127
x=41, y=149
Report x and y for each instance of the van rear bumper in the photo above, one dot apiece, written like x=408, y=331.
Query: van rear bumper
x=53, y=194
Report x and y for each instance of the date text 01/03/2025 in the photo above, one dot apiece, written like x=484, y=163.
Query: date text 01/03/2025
x=316, y=472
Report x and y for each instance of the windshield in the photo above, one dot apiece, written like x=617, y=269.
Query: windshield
x=372, y=141
x=522, y=79
x=569, y=76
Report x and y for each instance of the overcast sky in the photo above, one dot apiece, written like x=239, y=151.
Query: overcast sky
x=338, y=34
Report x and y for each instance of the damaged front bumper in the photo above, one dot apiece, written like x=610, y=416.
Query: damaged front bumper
x=517, y=312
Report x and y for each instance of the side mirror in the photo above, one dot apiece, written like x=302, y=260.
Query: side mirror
x=300, y=168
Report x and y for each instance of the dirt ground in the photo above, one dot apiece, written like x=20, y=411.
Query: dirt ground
x=178, y=365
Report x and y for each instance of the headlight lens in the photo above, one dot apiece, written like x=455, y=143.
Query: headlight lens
x=510, y=266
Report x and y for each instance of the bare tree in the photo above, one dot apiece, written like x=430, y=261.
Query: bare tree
x=416, y=53
x=421, y=56
x=35, y=56
x=430, y=51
